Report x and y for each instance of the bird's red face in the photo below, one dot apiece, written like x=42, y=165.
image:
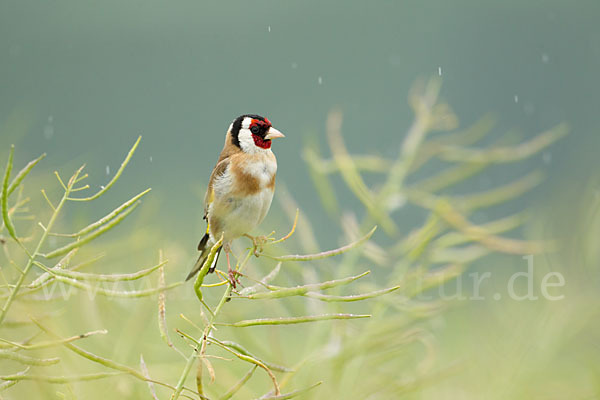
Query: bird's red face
x=253, y=133
x=258, y=127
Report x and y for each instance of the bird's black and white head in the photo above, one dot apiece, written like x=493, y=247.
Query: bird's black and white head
x=253, y=133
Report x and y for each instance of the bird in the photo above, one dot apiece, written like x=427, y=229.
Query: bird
x=240, y=188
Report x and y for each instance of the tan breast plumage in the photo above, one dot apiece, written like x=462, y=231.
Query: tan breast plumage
x=242, y=194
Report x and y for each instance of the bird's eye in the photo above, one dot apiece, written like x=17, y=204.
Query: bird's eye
x=254, y=129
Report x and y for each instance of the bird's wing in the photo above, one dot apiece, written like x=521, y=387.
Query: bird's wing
x=210, y=193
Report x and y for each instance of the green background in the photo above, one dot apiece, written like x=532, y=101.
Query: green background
x=97, y=75
x=81, y=80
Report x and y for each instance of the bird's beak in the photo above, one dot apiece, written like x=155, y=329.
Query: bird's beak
x=273, y=133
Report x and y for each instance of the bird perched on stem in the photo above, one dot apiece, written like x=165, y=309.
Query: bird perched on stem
x=240, y=188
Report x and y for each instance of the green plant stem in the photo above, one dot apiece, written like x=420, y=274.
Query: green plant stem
x=103, y=361
x=192, y=357
x=35, y=253
x=229, y=394
x=293, y=320
x=190, y=361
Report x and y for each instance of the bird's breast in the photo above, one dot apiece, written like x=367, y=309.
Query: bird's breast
x=243, y=195
x=252, y=175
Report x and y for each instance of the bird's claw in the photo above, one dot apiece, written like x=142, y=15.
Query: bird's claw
x=232, y=276
x=258, y=242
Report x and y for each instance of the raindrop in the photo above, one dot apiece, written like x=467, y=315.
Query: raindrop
x=49, y=128
x=269, y=28
x=545, y=58
x=516, y=98
x=107, y=170
x=440, y=71
x=101, y=186
x=320, y=80
x=150, y=158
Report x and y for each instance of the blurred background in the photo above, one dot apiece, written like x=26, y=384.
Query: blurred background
x=81, y=81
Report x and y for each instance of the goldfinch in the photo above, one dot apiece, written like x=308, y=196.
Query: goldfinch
x=240, y=188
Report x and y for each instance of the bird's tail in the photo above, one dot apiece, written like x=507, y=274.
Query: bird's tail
x=204, y=248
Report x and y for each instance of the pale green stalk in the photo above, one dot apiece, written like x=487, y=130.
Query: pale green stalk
x=351, y=175
x=238, y=385
x=4, y=197
x=356, y=297
x=278, y=292
x=506, y=154
x=46, y=278
x=292, y=320
x=60, y=379
x=31, y=257
x=23, y=173
x=115, y=178
x=291, y=395
x=100, y=277
x=146, y=374
x=324, y=254
x=423, y=107
x=103, y=361
x=112, y=293
x=88, y=238
x=109, y=217
x=190, y=361
x=205, y=267
x=23, y=359
x=51, y=343
x=249, y=359
x=240, y=349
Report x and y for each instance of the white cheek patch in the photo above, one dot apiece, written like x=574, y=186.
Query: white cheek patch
x=247, y=143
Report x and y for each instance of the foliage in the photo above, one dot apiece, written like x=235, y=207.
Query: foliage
x=344, y=357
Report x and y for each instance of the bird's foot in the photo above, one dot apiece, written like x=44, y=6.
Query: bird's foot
x=258, y=242
x=232, y=275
